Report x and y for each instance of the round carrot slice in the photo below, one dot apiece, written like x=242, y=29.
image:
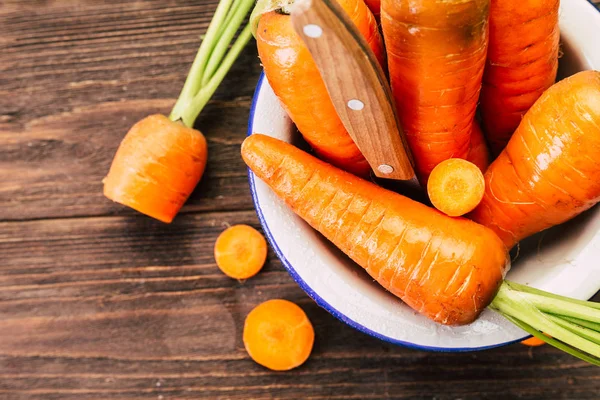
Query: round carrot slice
x=240, y=251
x=278, y=335
x=455, y=186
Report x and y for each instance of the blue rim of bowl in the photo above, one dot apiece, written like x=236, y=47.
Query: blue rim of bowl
x=311, y=293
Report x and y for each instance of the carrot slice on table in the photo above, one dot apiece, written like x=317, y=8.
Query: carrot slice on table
x=455, y=186
x=533, y=342
x=278, y=335
x=240, y=251
x=549, y=171
x=295, y=79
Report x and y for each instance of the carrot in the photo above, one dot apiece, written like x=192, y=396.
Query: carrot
x=533, y=342
x=240, y=251
x=549, y=171
x=375, y=7
x=296, y=81
x=278, y=335
x=436, y=54
x=455, y=186
x=161, y=160
x=446, y=268
x=479, y=154
x=420, y=255
x=521, y=64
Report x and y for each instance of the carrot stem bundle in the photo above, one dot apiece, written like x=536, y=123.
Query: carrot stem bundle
x=445, y=268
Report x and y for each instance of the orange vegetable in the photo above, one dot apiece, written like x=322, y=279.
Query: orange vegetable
x=533, y=342
x=278, y=335
x=156, y=168
x=375, y=7
x=436, y=55
x=549, y=171
x=521, y=64
x=295, y=79
x=448, y=269
x=455, y=186
x=240, y=251
x=479, y=154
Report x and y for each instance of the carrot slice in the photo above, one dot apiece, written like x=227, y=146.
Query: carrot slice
x=456, y=186
x=240, y=251
x=278, y=335
x=533, y=342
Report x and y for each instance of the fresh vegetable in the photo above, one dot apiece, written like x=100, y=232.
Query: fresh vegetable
x=521, y=64
x=549, y=172
x=436, y=55
x=446, y=268
x=375, y=7
x=295, y=79
x=278, y=335
x=533, y=342
x=240, y=251
x=455, y=186
x=161, y=160
x=479, y=154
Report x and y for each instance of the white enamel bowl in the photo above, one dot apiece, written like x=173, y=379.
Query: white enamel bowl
x=564, y=260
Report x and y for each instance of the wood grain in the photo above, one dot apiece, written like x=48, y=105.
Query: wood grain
x=99, y=302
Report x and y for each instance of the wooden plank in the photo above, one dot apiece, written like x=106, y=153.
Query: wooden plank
x=74, y=76
x=129, y=308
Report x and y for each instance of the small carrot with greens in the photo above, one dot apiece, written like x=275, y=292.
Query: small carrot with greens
x=521, y=64
x=161, y=160
x=278, y=335
x=549, y=171
x=448, y=269
x=295, y=79
x=436, y=54
x=479, y=154
x=455, y=186
x=240, y=251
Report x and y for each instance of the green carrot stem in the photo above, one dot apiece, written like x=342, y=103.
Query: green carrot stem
x=234, y=7
x=194, y=79
x=553, y=342
x=512, y=303
x=590, y=325
x=562, y=307
x=579, y=330
x=194, y=108
x=529, y=289
x=243, y=7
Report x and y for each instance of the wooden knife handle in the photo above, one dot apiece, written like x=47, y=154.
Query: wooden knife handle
x=356, y=84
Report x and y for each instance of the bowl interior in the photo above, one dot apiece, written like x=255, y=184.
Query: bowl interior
x=562, y=260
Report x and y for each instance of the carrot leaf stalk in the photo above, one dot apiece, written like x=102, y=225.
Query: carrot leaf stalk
x=567, y=324
x=214, y=59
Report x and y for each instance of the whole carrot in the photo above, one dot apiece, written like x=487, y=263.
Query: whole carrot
x=436, y=54
x=479, y=154
x=521, y=64
x=448, y=269
x=549, y=171
x=295, y=79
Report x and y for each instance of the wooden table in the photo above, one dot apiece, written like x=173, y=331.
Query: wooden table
x=99, y=302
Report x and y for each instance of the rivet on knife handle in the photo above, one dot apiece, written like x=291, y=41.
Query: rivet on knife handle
x=356, y=84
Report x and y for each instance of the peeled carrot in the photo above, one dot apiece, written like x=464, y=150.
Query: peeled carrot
x=455, y=186
x=295, y=79
x=479, y=154
x=521, y=64
x=156, y=168
x=240, y=251
x=549, y=171
x=375, y=7
x=278, y=335
x=161, y=160
x=436, y=55
x=448, y=269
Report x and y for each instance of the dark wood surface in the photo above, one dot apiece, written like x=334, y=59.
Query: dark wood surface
x=98, y=302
